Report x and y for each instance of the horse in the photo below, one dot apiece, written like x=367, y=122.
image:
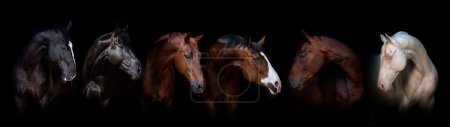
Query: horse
x=231, y=58
x=174, y=51
x=406, y=73
x=339, y=87
x=109, y=66
x=44, y=71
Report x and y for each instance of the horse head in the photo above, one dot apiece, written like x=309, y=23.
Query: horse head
x=119, y=53
x=392, y=61
x=308, y=61
x=60, y=52
x=253, y=61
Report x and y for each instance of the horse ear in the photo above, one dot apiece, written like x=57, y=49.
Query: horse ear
x=248, y=41
x=310, y=39
x=126, y=28
x=262, y=40
x=383, y=38
x=386, y=38
x=69, y=25
x=187, y=37
x=199, y=37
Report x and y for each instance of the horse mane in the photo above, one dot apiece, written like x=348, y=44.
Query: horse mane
x=405, y=40
x=172, y=37
x=100, y=41
x=97, y=51
x=62, y=30
x=123, y=37
x=42, y=38
x=159, y=73
x=236, y=41
x=100, y=44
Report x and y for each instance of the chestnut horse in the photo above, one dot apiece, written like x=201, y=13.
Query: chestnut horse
x=406, y=73
x=229, y=58
x=44, y=72
x=341, y=90
x=177, y=50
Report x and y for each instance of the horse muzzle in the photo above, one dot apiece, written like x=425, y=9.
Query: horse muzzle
x=383, y=86
x=69, y=77
x=197, y=86
x=296, y=84
x=274, y=87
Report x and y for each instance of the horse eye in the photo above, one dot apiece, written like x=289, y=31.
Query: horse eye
x=188, y=55
x=301, y=55
x=255, y=57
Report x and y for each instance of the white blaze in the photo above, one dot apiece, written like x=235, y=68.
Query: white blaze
x=71, y=51
x=272, y=77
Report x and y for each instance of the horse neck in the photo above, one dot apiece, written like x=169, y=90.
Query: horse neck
x=159, y=75
x=214, y=66
x=31, y=64
x=93, y=54
x=336, y=51
x=37, y=44
x=35, y=69
x=416, y=52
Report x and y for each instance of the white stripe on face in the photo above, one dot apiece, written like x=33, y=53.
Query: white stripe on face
x=272, y=77
x=71, y=51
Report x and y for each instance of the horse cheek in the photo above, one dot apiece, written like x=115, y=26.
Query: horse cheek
x=52, y=53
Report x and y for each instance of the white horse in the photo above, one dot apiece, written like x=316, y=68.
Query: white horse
x=406, y=67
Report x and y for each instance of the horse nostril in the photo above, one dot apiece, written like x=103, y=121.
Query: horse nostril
x=139, y=70
x=295, y=83
x=276, y=83
x=197, y=86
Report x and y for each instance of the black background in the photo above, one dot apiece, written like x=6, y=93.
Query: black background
x=357, y=26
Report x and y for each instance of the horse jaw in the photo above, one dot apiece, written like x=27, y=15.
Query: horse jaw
x=272, y=81
x=386, y=79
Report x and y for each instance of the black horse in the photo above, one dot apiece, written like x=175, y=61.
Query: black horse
x=110, y=67
x=43, y=72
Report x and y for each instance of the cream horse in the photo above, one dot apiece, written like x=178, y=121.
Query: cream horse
x=406, y=67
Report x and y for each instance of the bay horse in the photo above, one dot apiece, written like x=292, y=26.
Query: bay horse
x=340, y=87
x=172, y=53
x=110, y=67
x=44, y=71
x=406, y=73
x=231, y=58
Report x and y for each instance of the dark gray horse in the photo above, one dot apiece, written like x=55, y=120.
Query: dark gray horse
x=108, y=62
x=44, y=69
